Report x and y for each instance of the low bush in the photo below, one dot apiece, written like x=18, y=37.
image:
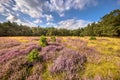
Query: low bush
x=43, y=41
x=33, y=55
x=53, y=39
x=69, y=62
x=92, y=38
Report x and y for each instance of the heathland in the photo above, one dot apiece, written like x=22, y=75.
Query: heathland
x=59, y=58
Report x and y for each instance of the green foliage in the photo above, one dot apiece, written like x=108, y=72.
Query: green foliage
x=53, y=39
x=33, y=55
x=43, y=41
x=109, y=25
x=92, y=38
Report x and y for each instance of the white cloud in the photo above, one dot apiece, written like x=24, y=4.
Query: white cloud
x=60, y=6
x=37, y=21
x=6, y=7
x=31, y=7
x=49, y=17
x=14, y=18
x=25, y=22
x=72, y=24
x=36, y=8
x=50, y=24
x=11, y=18
x=1, y=8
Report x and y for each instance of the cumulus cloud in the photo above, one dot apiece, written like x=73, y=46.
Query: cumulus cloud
x=14, y=18
x=37, y=21
x=1, y=8
x=61, y=6
x=31, y=7
x=35, y=8
x=72, y=24
x=50, y=24
x=49, y=17
x=11, y=18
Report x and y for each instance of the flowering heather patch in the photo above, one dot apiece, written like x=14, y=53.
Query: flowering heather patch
x=12, y=66
x=58, y=40
x=64, y=59
x=16, y=52
x=36, y=72
x=18, y=75
x=8, y=43
x=34, y=77
x=69, y=61
x=49, y=52
x=75, y=44
x=52, y=48
x=22, y=46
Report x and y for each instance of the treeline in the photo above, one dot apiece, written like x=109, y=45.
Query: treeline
x=13, y=29
x=109, y=25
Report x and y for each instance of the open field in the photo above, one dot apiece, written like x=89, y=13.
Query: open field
x=68, y=58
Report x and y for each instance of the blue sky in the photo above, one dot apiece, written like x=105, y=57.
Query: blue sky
x=70, y=14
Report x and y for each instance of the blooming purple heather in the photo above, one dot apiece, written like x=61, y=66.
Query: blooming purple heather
x=69, y=58
x=69, y=61
x=14, y=52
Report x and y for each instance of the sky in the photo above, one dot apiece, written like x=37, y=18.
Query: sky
x=70, y=14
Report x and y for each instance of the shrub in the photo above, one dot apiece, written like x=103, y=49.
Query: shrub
x=69, y=60
x=33, y=55
x=53, y=39
x=92, y=38
x=43, y=41
x=17, y=51
x=81, y=35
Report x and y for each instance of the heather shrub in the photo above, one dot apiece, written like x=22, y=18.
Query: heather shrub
x=14, y=52
x=92, y=38
x=69, y=61
x=13, y=69
x=50, y=52
x=18, y=75
x=43, y=41
x=53, y=39
x=33, y=55
x=34, y=77
x=81, y=35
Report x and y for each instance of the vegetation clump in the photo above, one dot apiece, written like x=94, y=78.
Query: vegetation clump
x=43, y=41
x=33, y=55
x=68, y=62
x=92, y=38
x=53, y=39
